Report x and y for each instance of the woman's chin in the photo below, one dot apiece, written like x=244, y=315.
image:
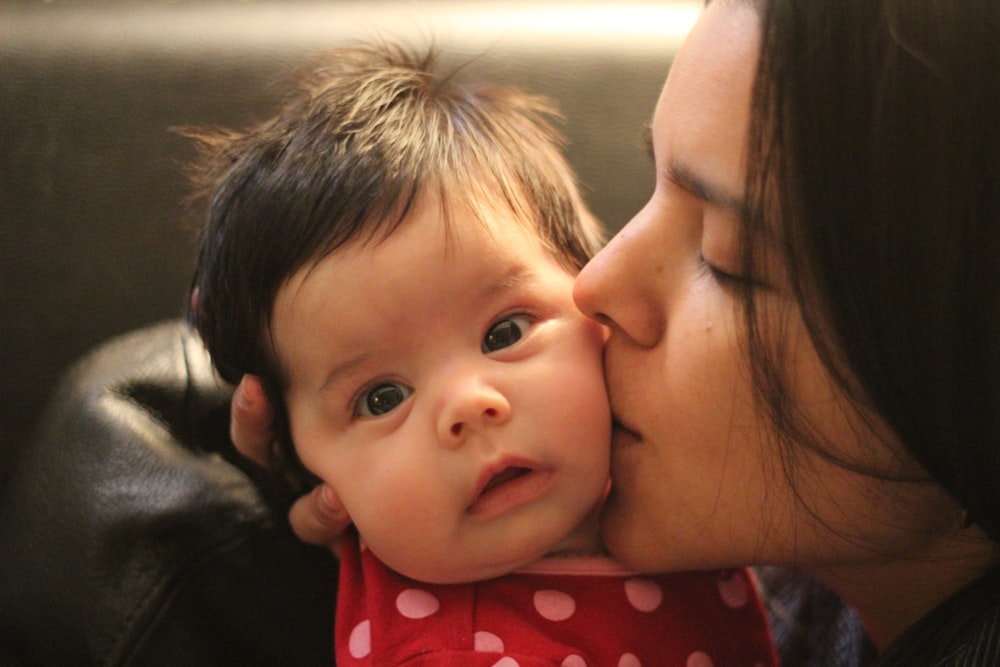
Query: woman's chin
x=618, y=533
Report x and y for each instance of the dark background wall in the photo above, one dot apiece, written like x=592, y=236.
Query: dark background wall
x=95, y=237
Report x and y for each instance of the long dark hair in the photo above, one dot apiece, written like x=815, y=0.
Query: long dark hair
x=875, y=162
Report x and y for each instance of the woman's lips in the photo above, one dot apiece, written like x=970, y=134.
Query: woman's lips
x=621, y=435
x=506, y=486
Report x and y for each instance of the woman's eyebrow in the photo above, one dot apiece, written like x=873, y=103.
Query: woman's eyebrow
x=685, y=178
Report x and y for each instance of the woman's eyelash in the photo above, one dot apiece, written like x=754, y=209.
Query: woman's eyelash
x=731, y=280
x=716, y=272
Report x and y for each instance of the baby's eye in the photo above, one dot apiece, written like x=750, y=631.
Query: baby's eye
x=505, y=333
x=381, y=398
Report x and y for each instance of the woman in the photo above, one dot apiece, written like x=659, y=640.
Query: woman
x=804, y=358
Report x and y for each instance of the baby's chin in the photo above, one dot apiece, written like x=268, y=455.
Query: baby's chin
x=446, y=567
x=458, y=573
x=475, y=555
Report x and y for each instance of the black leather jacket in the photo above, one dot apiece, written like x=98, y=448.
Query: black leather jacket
x=131, y=533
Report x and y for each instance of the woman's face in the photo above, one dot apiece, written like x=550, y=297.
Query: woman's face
x=698, y=479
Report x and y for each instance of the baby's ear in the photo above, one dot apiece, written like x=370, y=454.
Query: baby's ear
x=319, y=517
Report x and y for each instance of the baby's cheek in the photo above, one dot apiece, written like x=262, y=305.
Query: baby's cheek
x=410, y=547
x=398, y=517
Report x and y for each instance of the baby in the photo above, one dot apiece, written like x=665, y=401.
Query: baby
x=393, y=254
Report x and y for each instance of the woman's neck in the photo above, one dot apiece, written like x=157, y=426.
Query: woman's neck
x=891, y=594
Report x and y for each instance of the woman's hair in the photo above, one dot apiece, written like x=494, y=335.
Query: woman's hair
x=371, y=129
x=874, y=165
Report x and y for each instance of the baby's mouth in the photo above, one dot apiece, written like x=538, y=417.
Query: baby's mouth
x=505, y=487
x=504, y=476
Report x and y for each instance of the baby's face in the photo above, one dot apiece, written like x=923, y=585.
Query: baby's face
x=448, y=389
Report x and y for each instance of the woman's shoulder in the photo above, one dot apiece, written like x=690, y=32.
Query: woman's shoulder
x=963, y=631
x=811, y=626
x=981, y=647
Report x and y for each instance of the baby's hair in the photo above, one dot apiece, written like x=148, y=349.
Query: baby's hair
x=371, y=129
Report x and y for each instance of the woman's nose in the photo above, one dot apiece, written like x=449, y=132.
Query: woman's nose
x=471, y=406
x=623, y=285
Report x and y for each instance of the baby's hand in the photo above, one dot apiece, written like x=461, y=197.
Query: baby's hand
x=317, y=517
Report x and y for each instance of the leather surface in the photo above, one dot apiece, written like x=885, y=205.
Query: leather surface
x=133, y=534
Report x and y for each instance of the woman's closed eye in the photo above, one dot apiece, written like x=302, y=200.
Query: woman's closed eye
x=380, y=398
x=506, y=332
x=720, y=275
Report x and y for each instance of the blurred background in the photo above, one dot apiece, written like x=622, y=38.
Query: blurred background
x=95, y=236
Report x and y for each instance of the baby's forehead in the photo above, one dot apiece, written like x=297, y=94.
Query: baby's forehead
x=421, y=282
x=457, y=208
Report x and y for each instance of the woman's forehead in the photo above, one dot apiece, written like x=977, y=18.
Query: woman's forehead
x=701, y=122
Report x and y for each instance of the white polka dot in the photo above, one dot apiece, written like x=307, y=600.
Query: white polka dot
x=487, y=642
x=643, y=594
x=699, y=659
x=573, y=661
x=414, y=603
x=629, y=660
x=360, y=642
x=733, y=589
x=506, y=662
x=554, y=605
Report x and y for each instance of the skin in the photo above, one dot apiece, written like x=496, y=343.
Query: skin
x=417, y=321
x=698, y=474
x=700, y=479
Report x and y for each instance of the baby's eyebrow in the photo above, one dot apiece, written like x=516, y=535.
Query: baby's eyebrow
x=341, y=369
x=514, y=276
x=510, y=279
